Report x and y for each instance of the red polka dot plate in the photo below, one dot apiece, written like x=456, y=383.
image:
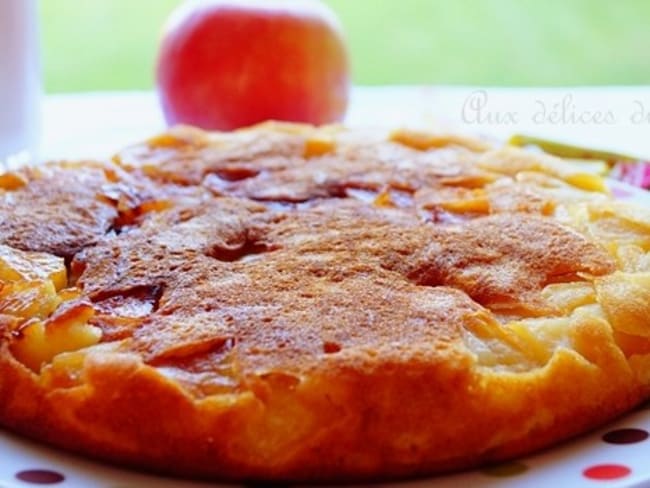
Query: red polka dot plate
x=617, y=455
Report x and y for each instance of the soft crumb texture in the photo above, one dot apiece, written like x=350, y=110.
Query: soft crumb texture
x=290, y=303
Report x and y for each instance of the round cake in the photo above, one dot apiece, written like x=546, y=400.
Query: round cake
x=290, y=303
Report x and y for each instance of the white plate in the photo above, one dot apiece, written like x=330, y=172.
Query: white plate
x=617, y=455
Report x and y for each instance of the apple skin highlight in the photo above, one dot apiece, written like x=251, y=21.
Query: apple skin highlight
x=225, y=64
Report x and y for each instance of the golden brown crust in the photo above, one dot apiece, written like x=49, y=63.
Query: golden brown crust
x=57, y=212
x=338, y=425
x=287, y=303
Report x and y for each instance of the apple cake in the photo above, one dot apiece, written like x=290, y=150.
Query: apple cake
x=290, y=303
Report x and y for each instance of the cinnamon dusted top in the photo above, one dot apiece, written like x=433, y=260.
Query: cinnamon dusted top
x=59, y=211
x=280, y=289
x=251, y=254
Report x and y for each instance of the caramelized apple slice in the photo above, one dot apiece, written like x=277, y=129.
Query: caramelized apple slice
x=28, y=299
x=37, y=342
x=12, y=181
x=318, y=144
x=625, y=299
x=424, y=141
x=16, y=265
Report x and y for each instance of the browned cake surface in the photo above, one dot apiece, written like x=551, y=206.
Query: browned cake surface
x=291, y=303
x=59, y=213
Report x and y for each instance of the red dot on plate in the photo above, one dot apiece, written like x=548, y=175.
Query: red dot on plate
x=625, y=436
x=606, y=472
x=40, y=477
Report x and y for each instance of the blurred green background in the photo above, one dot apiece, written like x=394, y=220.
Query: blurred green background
x=111, y=44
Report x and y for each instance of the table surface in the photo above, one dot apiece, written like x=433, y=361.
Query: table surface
x=614, y=118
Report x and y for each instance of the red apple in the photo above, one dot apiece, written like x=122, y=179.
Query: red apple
x=225, y=64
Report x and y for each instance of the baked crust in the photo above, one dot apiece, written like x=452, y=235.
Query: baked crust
x=292, y=303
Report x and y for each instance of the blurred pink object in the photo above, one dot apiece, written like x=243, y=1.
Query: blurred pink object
x=635, y=173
